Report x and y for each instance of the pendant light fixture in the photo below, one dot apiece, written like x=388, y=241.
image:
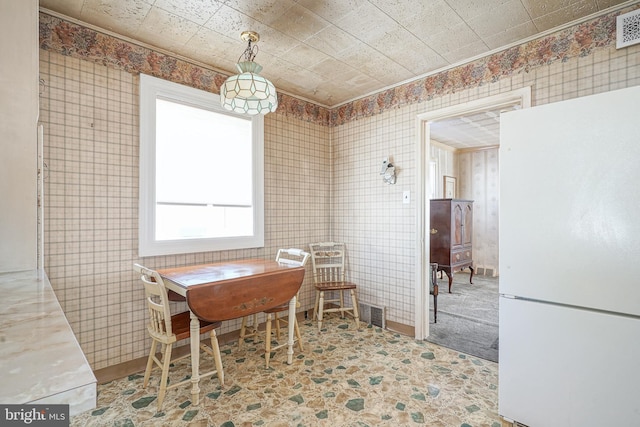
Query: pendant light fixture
x=249, y=92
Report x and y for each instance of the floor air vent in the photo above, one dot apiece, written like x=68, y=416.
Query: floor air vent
x=372, y=314
x=628, y=29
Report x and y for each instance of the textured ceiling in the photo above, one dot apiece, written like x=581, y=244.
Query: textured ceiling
x=331, y=51
x=470, y=131
x=481, y=129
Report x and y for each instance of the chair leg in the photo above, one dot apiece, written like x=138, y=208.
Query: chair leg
x=267, y=341
x=298, y=335
x=341, y=304
x=216, y=356
x=320, y=308
x=354, y=301
x=147, y=371
x=166, y=361
x=315, y=305
x=243, y=329
x=253, y=329
x=277, y=322
x=435, y=305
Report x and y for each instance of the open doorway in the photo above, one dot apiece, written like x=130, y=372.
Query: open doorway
x=464, y=173
x=426, y=189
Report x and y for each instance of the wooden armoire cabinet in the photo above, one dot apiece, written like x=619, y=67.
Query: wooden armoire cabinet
x=451, y=229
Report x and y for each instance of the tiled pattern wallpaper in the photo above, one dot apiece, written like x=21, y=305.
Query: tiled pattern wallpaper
x=369, y=215
x=321, y=182
x=90, y=117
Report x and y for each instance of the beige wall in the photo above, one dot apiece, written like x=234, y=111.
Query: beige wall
x=90, y=116
x=369, y=216
x=320, y=183
x=444, y=159
x=18, y=134
x=479, y=180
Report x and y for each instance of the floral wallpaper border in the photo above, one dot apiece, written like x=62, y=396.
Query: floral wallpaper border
x=75, y=40
x=579, y=40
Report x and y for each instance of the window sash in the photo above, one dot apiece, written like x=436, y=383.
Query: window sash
x=153, y=91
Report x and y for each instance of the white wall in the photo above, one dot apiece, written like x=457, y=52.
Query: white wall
x=18, y=134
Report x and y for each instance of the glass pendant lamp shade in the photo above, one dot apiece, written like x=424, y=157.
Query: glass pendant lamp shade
x=249, y=92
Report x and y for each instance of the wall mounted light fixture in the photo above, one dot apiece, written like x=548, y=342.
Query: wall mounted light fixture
x=388, y=171
x=249, y=92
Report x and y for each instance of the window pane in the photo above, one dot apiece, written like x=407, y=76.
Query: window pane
x=202, y=156
x=174, y=222
x=203, y=173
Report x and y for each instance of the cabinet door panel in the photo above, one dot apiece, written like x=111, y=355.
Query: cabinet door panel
x=457, y=225
x=467, y=230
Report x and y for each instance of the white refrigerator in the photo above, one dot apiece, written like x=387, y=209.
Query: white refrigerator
x=570, y=262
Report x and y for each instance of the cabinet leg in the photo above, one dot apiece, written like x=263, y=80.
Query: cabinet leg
x=471, y=277
x=450, y=276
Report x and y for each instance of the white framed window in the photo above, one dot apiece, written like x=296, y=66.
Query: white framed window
x=201, y=172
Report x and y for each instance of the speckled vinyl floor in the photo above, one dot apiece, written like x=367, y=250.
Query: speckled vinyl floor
x=344, y=377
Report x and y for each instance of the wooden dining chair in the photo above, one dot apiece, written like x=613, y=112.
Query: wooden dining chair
x=166, y=329
x=292, y=256
x=328, y=261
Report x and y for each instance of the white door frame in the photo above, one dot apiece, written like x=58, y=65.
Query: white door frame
x=520, y=98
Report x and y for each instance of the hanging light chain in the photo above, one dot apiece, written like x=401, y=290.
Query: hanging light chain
x=249, y=53
x=252, y=50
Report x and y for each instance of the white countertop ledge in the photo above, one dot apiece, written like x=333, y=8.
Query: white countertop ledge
x=41, y=361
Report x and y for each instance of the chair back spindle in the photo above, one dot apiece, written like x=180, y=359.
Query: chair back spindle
x=159, y=325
